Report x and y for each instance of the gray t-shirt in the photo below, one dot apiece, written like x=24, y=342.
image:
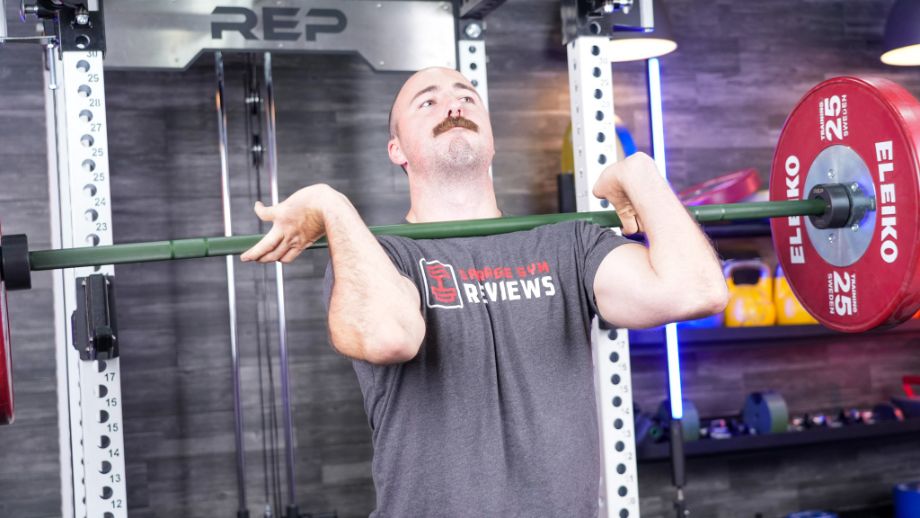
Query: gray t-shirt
x=496, y=415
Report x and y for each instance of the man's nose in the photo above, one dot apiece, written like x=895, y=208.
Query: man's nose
x=455, y=109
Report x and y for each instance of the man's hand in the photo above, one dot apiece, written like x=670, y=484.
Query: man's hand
x=678, y=277
x=611, y=185
x=374, y=311
x=297, y=223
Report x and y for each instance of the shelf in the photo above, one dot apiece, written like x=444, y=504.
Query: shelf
x=747, y=443
x=733, y=335
x=741, y=230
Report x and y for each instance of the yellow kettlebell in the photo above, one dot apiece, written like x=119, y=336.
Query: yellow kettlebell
x=789, y=310
x=749, y=304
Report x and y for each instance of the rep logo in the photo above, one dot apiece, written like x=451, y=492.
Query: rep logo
x=442, y=290
x=278, y=23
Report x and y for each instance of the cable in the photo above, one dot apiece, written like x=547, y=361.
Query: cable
x=250, y=93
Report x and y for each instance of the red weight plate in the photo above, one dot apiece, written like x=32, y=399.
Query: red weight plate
x=730, y=188
x=880, y=122
x=6, y=366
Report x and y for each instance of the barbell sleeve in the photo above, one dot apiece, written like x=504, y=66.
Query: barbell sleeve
x=220, y=246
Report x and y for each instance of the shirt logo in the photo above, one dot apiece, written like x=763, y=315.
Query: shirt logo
x=441, y=287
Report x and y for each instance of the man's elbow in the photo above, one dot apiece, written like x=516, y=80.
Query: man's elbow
x=710, y=299
x=719, y=300
x=383, y=344
x=388, y=350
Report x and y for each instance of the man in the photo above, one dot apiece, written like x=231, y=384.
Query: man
x=473, y=354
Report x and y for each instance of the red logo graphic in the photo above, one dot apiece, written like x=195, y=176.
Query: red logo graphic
x=442, y=284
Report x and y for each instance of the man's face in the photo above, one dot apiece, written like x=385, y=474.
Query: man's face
x=440, y=124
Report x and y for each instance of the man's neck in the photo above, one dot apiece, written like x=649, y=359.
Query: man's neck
x=452, y=201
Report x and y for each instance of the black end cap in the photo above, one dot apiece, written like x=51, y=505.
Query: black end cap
x=15, y=269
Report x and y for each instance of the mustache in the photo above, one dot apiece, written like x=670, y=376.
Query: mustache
x=455, y=122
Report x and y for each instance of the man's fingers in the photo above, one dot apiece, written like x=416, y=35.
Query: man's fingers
x=599, y=188
x=630, y=224
x=264, y=213
x=264, y=246
x=291, y=255
x=274, y=255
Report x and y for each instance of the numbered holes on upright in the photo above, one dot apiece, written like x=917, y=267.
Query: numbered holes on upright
x=82, y=41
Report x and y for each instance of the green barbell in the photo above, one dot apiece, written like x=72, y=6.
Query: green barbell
x=16, y=262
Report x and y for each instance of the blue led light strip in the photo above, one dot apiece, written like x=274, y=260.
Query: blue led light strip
x=654, y=100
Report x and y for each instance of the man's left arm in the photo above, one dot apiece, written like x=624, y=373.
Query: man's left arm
x=678, y=277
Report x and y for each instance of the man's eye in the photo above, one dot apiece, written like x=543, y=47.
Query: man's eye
x=426, y=104
x=467, y=99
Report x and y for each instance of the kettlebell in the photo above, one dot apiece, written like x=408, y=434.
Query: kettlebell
x=749, y=304
x=789, y=310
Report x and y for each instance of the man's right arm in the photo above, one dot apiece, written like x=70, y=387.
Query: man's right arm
x=374, y=311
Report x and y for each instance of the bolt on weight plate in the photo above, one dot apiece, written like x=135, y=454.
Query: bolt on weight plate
x=730, y=188
x=852, y=130
x=6, y=365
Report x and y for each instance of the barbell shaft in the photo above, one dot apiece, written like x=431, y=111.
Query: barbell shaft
x=220, y=246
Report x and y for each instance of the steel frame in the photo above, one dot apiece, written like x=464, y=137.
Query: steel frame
x=593, y=146
x=93, y=481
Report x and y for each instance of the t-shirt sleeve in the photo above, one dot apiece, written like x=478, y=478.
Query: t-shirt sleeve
x=595, y=242
x=396, y=248
x=400, y=251
x=374, y=379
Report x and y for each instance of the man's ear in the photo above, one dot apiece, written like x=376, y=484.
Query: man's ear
x=394, y=149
